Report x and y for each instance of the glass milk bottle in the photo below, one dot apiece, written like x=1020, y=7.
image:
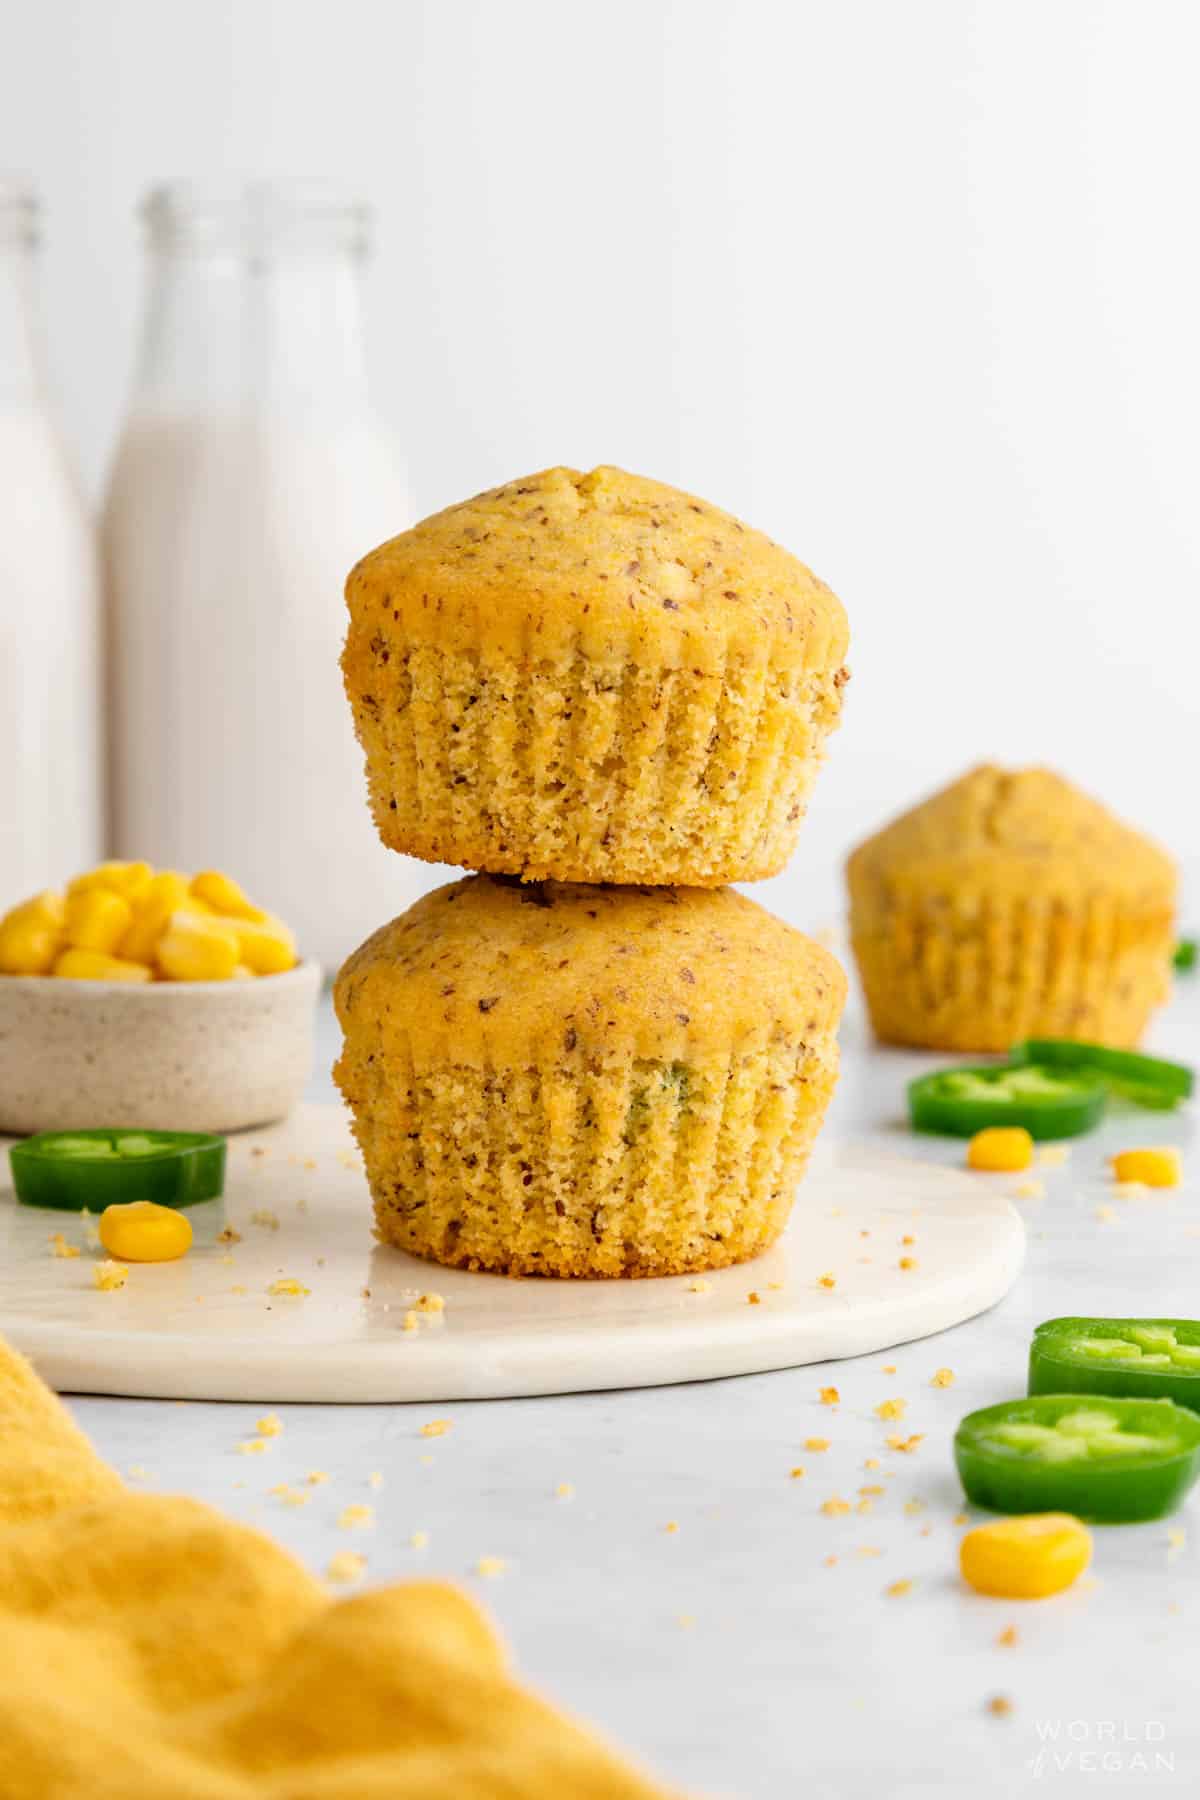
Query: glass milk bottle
x=49, y=704
x=250, y=476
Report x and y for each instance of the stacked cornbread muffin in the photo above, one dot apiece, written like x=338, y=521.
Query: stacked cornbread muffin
x=578, y=680
x=1011, y=905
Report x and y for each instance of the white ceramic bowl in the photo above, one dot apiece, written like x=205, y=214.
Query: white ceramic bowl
x=165, y=1055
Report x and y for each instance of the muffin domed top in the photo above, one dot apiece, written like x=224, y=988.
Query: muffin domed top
x=488, y=969
x=1019, y=832
x=612, y=564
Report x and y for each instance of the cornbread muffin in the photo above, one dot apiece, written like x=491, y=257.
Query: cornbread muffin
x=1011, y=905
x=592, y=678
x=569, y=1080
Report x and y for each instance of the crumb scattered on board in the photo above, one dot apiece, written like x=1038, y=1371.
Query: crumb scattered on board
x=108, y=1276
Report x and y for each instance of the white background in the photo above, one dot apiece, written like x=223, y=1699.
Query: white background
x=914, y=287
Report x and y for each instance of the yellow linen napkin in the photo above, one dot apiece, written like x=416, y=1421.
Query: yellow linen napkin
x=150, y=1647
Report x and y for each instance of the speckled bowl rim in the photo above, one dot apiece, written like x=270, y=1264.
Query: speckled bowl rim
x=303, y=973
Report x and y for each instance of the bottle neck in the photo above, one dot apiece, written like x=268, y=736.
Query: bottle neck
x=272, y=336
x=255, y=303
x=20, y=347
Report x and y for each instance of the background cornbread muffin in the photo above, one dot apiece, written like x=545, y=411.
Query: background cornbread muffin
x=573, y=1080
x=1011, y=905
x=593, y=678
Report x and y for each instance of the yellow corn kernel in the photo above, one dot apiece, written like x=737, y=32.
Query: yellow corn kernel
x=143, y=1232
x=1154, y=1168
x=125, y=878
x=31, y=935
x=268, y=948
x=197, y=949
x=97, y=919
x=49, y=907
x=93, y=965
x=164, y=894
x=1027, y=1557
x=225, y=897
x=1000, y=1147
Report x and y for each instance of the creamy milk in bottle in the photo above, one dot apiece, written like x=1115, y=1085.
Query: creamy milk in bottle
x=250, y=476
x=50, y=764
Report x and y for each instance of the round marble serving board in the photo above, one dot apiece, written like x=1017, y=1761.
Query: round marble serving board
x=207, y=1327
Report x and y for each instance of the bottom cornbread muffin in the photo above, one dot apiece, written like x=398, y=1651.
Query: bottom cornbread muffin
x=589, y=1081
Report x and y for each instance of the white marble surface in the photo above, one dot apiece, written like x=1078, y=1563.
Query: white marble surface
x=729, y=1655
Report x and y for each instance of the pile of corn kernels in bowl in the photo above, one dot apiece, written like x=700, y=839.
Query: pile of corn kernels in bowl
x=125, y=921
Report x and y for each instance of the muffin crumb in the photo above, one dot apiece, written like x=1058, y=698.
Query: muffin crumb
x=345, y=1567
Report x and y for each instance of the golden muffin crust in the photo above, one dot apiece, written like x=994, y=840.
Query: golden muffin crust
x=618, y=566
x=1011, y=905
x=1026, y=831
x=592, y=678
x=492, y=970
x=586, y=1081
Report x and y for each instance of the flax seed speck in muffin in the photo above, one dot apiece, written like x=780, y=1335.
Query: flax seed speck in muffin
x=1011, y=905
x=586, y=1081
x=592, y=678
